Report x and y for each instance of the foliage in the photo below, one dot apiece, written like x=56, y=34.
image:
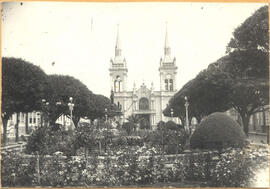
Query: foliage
x=161, y=125
x=144, y=124
x=53, y=171
x=207, y=93
x=23, y=85
x=45, y=140
x=61, y=88
x=248, y=64
x=16, y=170
x=253, y=33
x=250, y=87
x=100, y=104
x=86, y=135
x=217, y=131
x=237, y=168
x=239, y=80
x=172, y=141
x=137, y=166
x=170, y=125
x=135, y=119
x=129, y=127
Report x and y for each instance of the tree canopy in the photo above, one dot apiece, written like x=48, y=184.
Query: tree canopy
x=252, y=34
x=239, y=80
x=61, y=88
x=207, y=93
x=23, y=85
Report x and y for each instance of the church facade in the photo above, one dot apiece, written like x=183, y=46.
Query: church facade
x=144, y=102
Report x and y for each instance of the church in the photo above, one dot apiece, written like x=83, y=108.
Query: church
x=145, y=102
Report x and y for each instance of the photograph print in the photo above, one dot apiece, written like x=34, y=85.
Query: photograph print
x=134, y=94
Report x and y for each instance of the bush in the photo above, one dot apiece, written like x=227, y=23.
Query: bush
x=218, y=131
x=171, y=125
x=45, y=140
x=16, y=170
x=238, y=167
x=128, y=127
x=161, y=125
x=173, y=141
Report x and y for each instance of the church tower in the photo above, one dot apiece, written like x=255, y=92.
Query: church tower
x=167, y=69
x=118, y=69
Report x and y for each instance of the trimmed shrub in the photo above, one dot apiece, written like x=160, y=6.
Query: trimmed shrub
x=171, y=125
x=218, y=131
x=161, y=125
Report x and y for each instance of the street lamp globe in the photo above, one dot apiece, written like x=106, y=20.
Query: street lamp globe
x=171, y=112
x=58, y=103
x=70, y=99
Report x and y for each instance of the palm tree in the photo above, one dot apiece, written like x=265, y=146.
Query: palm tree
x=135, y=119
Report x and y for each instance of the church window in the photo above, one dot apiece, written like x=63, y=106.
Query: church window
x=166, y=85
x=153, y=104
x=171, y=85
x=117, y=84
x=144, y=104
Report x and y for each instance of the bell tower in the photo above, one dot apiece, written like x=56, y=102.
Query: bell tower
x=118, y=68
x=167, y=69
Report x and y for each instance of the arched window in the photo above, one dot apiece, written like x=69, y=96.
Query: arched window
x=144, y=104
x=117, y=84
x=166, y=85
x=171, y=85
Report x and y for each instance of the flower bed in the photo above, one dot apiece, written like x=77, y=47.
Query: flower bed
x=139, y=166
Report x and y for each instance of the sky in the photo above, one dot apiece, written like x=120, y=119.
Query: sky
x=80, y=37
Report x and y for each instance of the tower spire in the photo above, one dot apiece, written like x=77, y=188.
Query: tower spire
x=166, y=37
x=167, y=49
x=118, y=44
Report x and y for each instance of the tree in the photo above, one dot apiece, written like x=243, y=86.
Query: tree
x=128, y=127
x=248, y=65
x=252, y=34
x=61, y=88
x=250, y=88
x=135, y=119
x=100, y=104
x=23, y=85
x=207, y=93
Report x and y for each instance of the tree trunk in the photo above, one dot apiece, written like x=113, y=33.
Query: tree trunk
x=26, y=124
x=198, y=118
x=17, y=127
x=182, y=120
x=76, y=121
x=245, y=120
x=4, y=120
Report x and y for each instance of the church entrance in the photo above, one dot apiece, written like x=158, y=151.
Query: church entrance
x=144, y=121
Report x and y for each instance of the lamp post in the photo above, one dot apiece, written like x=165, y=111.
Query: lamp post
x=171, y=113
x=106, y=116
x=187, y=122
x=45, y=105
x=71, y=106
x=106, y=119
